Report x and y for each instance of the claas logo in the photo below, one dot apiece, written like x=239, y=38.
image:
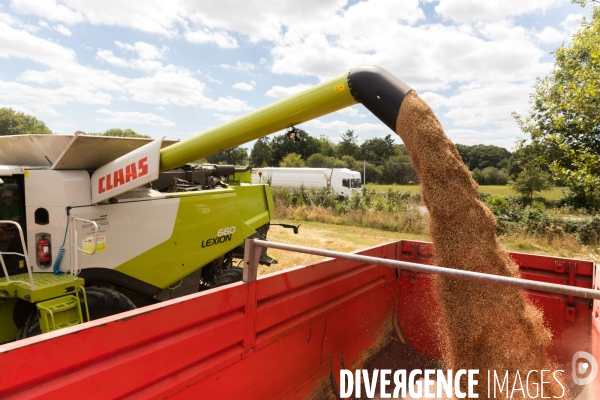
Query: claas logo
x=123, y=175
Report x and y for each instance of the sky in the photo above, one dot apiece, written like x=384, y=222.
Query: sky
x=179, y=67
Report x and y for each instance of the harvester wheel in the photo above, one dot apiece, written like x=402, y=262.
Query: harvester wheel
x=227, y=276
x=102, y=302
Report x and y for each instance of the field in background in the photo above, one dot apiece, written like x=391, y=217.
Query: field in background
x=350, y=238
x=553, y=194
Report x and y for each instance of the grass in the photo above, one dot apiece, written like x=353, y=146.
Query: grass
x=325, y=236
x=497, y=190
x=351, y=238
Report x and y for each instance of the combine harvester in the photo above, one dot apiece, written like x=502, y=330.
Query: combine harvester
x=285, y=335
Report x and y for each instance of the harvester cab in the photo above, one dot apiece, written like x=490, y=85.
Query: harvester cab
x=125, y=222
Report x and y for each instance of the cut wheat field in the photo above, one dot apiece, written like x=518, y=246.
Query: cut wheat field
x=351, y=238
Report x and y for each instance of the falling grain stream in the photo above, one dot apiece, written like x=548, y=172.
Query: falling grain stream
x=487, y=327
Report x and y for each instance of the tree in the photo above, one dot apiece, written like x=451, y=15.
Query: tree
x=282, y=145
x=318, y=160
x=260, y=156
x=120, y=133
x=399, y=169
x=292, y=160
x=377, y=150
x=233, y=156
x=348, y=146
x=482, y=156
x=17, y=123
x=478, y=176
x=494, y=176
x=531, y=180
x=564, y=122
x=326, y=146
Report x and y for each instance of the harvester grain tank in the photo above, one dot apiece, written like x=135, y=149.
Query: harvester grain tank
x=114, y=239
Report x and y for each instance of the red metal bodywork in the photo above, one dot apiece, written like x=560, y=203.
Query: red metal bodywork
x=285, y=335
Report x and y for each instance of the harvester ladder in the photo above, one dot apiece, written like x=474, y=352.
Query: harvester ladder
x=62, y=312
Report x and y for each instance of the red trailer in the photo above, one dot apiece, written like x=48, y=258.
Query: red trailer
x=287, y=334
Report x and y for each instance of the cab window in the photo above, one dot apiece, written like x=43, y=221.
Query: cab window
x=12, y=209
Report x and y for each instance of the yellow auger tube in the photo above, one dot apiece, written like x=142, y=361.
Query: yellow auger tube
x=315, y=102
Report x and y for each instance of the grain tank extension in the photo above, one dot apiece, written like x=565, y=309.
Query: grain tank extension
x=92, y=226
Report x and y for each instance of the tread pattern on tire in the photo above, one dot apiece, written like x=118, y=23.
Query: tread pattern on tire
x=227, y=276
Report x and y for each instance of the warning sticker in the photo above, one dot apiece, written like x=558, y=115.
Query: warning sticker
x=102, y=221
x=338, y=88
x=88, y=245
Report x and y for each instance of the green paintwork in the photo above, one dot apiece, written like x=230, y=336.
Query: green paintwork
x=58, y=313
x=9, y=330
x=47, y=286
x=315, y=102
x=199, y=218
x=240, y=177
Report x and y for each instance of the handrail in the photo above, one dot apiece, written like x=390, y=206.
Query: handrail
x=24, y=255
x=252, y=249
x=77, y=249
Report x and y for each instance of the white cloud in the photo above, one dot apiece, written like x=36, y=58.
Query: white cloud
x=172, y=85
x=204, y=35
x=550, y=35
x=64, y=124
x=21, y=44
x=245, y=86
x=133, y=117
x=224, y=117
x=146, y=65
x=47, y=112
x=349, y=112
x=75, y=77
x=280, y=92
x=497, y=137
x=491, y=10
x=160, y=108
x=343, y=126
x=571, y=24
x=48, y=9
x=241, y=66
x=18, y=93
x=153, y=16
x=145, y=51
x=8, y=19
x=62, y=30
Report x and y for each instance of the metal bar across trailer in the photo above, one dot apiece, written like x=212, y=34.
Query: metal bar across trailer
x=252, y=252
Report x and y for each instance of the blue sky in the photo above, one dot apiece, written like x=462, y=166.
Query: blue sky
x=176, y=68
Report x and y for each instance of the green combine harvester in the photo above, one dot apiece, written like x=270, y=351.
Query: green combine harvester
x=93, y=226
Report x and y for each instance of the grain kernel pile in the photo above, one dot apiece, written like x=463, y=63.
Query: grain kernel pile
x=489, y=327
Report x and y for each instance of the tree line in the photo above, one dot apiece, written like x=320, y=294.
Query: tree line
x=384, y=161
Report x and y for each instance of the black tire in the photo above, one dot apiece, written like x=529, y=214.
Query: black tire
x=102, y=302
x=227, y=276
x=22, y=311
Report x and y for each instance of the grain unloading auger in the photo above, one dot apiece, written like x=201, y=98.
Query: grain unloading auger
x=93, y=225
